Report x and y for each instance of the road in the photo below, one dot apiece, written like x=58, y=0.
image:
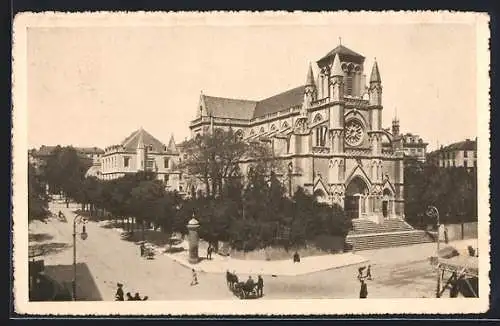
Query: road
x=398, y=272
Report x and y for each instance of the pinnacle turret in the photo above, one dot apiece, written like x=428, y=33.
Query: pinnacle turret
x=375, y=76
x=310, y=76
x=171, y=145
x=336, y=68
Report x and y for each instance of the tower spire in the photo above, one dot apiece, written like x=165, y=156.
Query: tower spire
x=375, y=76
x=310, y=76
x=336, y=68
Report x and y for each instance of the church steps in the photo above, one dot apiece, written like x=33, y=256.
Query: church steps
x=384, y=240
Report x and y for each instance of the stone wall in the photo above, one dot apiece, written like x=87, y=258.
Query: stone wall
x=459, y=231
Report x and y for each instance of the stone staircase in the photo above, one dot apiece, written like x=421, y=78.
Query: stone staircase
x=367, y=235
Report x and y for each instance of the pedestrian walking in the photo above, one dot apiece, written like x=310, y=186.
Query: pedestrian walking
x=363, y=292
x=209, y=252
x=260, y=286
x=369, y=272
x=194, y=281
x=143, y=249
x=446, y=235
x=119, y=292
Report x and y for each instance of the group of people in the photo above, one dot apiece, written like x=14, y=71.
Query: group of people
x=363, y=291
x=119, y=296
x=249, y=284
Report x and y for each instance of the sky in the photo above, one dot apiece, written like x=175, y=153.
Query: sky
x=93, y=86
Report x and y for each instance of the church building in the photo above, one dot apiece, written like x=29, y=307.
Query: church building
x=327, y=132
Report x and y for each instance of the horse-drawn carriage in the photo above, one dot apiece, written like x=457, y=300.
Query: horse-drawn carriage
x=243, y=290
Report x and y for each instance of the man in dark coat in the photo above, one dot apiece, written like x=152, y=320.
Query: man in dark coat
x=260, y=286
x=209, y=252
x=296, y=257
x=143, y=249
x=119, y=293
x=363, y=292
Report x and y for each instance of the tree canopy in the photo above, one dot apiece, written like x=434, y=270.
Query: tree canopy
x=214, y=158
x=37, y=196
x=452, y=190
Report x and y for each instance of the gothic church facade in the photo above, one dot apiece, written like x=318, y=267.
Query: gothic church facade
x=329, y=134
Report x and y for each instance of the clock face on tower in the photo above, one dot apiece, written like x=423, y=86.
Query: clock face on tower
x=354, y=133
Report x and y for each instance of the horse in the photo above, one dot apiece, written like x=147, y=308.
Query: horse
x=231, y=279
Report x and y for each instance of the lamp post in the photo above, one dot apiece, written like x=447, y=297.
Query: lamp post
x=78, y=219
x=433, y=212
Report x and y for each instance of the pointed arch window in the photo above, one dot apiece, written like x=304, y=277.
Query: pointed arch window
x=349, y=79
x=321, y=133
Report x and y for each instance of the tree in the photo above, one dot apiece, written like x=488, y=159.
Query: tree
x=144, y=201
x=37, y=196
x=65, y=171
x=452, y=190
x=215, y=158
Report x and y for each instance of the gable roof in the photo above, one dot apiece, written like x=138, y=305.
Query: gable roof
x=131, y=142
x=466, y=145
x=229, y=108
x=343, y=53
x=282, y=101
x=244, y=109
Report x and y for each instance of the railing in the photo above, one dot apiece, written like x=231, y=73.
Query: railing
x=357, y=102
x=320, y=102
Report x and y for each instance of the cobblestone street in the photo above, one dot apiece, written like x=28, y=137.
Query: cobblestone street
x=402, y=272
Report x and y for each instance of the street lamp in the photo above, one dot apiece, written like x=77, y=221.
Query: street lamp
x=433, y=212
x=78, y=219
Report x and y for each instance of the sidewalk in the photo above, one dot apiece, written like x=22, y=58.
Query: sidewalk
x=220, y=264
x=307, y=265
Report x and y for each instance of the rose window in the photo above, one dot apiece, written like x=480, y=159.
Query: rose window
x=353, y=133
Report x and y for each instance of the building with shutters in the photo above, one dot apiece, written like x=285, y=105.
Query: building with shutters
x=459, y=154
x=140, y=151
x=328, y=132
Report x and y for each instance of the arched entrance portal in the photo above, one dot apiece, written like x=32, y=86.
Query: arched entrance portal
x=355, y=194
x=387, y=203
